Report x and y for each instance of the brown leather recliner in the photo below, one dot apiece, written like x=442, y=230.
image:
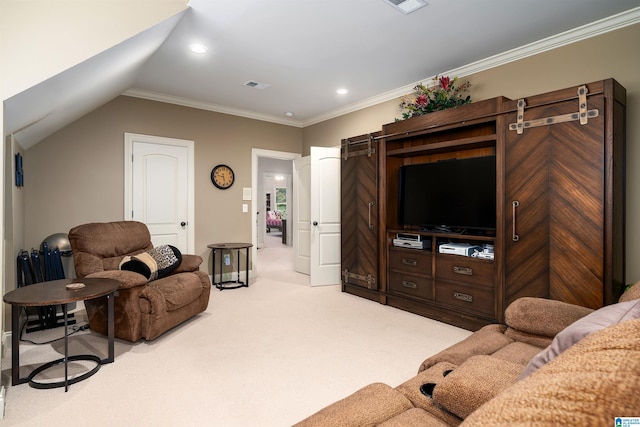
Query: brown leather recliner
x=143, y=309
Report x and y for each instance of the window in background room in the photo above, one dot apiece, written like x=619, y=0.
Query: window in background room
x=281, y=200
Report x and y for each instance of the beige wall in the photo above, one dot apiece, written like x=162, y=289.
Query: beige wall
x=614, y=54
x=77, y=175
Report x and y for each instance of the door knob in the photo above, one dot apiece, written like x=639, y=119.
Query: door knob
x=183, y=224
x=315, y=223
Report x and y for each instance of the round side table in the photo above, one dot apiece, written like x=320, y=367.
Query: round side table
x=53, y=293
x=221, y=247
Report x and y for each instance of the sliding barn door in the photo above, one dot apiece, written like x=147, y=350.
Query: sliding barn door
x=555, y=212
x=359, y=190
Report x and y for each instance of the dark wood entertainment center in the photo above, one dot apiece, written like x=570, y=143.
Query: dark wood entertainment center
x=559, y=206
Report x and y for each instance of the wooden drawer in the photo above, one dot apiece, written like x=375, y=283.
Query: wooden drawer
x=465, y=297
x=411, y=285
x=464, y=269
x=410, y=261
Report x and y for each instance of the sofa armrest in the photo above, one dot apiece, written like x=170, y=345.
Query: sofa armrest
x=127, y=279
x=632, y=292
x=189, y=263
x=540, y=316
x=474, y=383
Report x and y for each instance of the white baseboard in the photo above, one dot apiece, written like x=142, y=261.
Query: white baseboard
x=6, y=337
x=2, y=401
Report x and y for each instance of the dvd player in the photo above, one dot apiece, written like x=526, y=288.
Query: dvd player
x=412, y=244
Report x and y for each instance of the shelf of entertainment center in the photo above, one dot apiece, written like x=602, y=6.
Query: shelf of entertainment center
x=441, y=234
x=483, y=141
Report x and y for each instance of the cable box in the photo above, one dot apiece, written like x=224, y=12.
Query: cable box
x=409, y=237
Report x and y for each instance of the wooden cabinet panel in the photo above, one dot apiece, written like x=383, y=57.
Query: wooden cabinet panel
x=359, y=217
x=557, y=175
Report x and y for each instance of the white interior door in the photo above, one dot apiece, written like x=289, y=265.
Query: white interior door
x=302, y=214
x=325, y=216
x=161, y=189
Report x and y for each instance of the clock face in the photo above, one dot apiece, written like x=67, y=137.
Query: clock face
x=222, y=176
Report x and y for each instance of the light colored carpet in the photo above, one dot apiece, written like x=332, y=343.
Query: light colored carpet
x=267, y=355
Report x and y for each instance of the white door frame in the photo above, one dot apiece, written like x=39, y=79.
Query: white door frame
x=129, y=139
x=256, y=153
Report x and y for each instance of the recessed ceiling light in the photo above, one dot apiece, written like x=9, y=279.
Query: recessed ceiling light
x=406, y=6
x=342, y=91
x=198, y=48
x=289, y=114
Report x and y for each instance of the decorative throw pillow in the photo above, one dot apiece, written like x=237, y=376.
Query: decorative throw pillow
x=154, y=264
x=599, y=319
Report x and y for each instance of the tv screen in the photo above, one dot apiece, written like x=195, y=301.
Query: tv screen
x=450, y=194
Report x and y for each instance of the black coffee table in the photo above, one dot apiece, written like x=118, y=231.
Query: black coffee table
x=53, y=293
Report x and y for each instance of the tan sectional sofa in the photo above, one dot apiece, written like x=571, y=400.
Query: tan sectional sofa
x=551, y=364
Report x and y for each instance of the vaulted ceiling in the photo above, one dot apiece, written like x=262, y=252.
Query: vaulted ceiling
x=303, y=51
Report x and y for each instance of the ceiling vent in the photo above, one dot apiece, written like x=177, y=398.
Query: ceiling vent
x=256, y=85
x=406, y=6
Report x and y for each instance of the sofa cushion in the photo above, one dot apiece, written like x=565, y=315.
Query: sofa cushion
x=368, y=406
x=486, y=340
x=414, y=417
x=517, y=352
x=590, y=384
x=599, y=319
x=474, y=383
x=178, y=290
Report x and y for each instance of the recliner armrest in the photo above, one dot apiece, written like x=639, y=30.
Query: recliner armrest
x=127, y=279
x=540, y=316
x=189, y=263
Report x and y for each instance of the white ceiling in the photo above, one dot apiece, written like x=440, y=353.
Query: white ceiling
x=303, y=49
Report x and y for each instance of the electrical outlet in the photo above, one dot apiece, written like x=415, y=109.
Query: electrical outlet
x=227, y=259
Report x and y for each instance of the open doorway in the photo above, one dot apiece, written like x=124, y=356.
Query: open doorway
x=272, y=189
x=276, y=204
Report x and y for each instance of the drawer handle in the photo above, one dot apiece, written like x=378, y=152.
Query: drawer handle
x=407, y=261
x=411, y=285
x=463, y=297
x=463, y=270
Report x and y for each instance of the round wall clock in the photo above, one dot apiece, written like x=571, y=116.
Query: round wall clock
x=222, y=176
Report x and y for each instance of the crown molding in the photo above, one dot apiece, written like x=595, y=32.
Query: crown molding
x=584, y=32
x=185, y=102
x=612, y=23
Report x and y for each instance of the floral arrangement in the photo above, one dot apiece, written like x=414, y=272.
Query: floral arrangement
x=441, y=95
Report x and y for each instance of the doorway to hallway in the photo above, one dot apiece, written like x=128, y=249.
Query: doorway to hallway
x=272, y=194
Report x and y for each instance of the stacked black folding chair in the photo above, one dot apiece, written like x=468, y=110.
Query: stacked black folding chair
x=35, y=269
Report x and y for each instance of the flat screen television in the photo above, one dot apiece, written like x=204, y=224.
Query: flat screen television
x=449, y=195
